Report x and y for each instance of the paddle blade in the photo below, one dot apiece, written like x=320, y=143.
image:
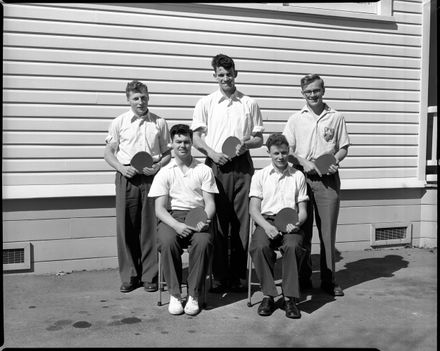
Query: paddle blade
x=141, y=160
x=195, y=216
x=286, y=216
x=230, y=146
x=323, y=162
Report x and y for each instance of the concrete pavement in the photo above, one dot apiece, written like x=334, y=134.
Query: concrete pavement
x=390, y=303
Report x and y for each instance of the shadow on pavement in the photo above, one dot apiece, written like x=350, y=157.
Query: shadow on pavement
x=354, y=273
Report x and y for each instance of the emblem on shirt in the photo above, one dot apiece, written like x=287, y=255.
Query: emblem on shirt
x=329, y=133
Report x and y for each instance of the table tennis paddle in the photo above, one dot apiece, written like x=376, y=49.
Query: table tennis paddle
x=195, y=216
x=286, y=216
x=324, y=161
x=141, y=160
x=230, y=146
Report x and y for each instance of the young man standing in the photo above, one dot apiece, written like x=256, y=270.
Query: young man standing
x=134, y=131
x=316, y=130
x=224, y=113
x=273, y=188
x=182, y=185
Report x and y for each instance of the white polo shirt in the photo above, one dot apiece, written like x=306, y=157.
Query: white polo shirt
x=310, y=136
x=278, y=189
x=220, y=117
x=185, y=191
x=133, y=134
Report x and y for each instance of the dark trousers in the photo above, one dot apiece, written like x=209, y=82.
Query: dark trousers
x=262, y=250
x=135, y=229
x=171, y=248
x=232, y=212
x=324, y=206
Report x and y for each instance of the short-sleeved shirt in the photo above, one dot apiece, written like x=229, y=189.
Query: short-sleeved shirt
x=133, y=134
x=278, y=189
x=185, y=191
x=310, y=136
x=220, y=117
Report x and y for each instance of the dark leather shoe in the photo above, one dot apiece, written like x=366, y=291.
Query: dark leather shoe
x=266, y=307
x=292, y=310
x=332, y=289
x=150, y=287
x=305, y=284
x=127, y=287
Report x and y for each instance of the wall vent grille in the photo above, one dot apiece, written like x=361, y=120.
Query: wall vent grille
x=383, y=234
x=12, y=256
x=16, y=256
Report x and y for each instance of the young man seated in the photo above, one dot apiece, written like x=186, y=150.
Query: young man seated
x=182, y=185
x=273, y=188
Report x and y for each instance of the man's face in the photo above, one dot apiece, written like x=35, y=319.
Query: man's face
x=279, y=154
x=181, y=145
x=313, y=93
x=138, y=102
x=226, y=79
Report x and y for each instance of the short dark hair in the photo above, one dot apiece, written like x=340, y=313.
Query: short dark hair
x=276, y=139
x=135, y=86
x=309, y=78
x=181, y=129
x=224, y=61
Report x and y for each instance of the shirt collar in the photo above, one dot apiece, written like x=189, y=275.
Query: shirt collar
x=236, y=96
x=147, y=117
x=326, y=110
x=192, y=165
x=287, y=172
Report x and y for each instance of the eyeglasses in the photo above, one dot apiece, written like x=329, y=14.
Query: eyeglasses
x=309, y=92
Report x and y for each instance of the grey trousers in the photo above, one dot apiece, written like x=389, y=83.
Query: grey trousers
x=262, y=248
x=135, y=229
x=324, y=207
x=171, y=248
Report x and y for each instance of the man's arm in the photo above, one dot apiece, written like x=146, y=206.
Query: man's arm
x=160, y=205
x=308, y=166
x=251, y=143
x=110, y=158
x=255, y=212
x=200, y=144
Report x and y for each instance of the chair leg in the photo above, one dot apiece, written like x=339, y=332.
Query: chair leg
x=249, y=303
x=160, y=282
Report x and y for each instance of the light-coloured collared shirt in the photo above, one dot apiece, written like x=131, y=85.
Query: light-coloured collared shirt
x=220, y=117
x=133, y=134
x=310, y=136
x=278, y=189
x=184, y=190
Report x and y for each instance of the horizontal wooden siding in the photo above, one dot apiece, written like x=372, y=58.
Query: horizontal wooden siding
x=66, y=66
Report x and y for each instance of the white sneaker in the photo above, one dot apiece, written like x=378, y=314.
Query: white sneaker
x=192, y=306
x=175, y=306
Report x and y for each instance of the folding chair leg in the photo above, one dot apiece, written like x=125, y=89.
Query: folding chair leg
x=249, y=303
x=160, y=281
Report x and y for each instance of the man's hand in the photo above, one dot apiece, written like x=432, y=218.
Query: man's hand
x=242, y=148
x=183, y=230
x=151, y=171
x=219, y=158
x=203, y=226
x=292, y=228
x=310, y=167
x=271, y=231
x=333, y=168
x=128, y=171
